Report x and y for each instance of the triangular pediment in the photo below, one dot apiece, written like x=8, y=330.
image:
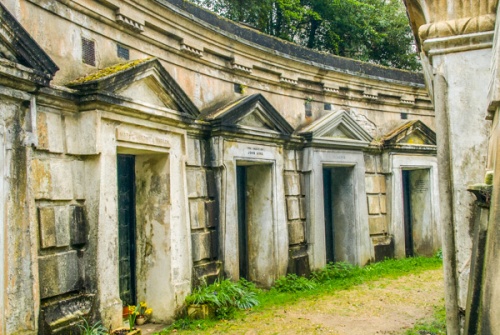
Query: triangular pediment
x=149, y=90
x=17, y=46
x=256, y=119
x=253, y=113
x=412, y=133
x=338, y=128
x=145, y=81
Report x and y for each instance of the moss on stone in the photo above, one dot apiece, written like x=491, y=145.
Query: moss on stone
x=108, y=71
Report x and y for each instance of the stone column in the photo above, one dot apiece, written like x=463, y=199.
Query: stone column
x=455, y=38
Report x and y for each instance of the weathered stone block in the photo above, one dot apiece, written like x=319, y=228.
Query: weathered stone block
x=290, y=160
x=373, y=204
x=52, y=179
x=196, y=183
x=302, y=184
x=54, y=227
x=370, y=164
x=383, y=204
x=59, y=274
x=302, y=208
x=194, y=152
x=62, y=180
x=381, y=180
x=201, y=246
x=292, y=184
x=78, y=226
x=377, y=224
x=212, y=214
x=207, y=271
x=372, y=184
x=197, y=214
x=79, y=180
x=47, y=219
x=88, y=126
x=293, y=208
x=296, y=232
x=211, y=188
x=50, y=132
x=42, y=180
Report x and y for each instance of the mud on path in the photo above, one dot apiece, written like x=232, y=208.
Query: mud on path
x=388, y=306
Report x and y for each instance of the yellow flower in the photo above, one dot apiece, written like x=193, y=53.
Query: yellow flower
x=143, y=304
x=148, y=311
x=131, y=309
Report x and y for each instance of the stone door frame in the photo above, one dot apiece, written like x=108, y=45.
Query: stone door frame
x=315, y=159
x=161, y=145
x=394, y=164
x=229, y=154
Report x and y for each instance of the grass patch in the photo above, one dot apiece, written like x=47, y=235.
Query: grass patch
x=334, y=277
x=437, y=326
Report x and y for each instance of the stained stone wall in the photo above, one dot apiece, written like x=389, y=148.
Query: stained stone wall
x=298, y=262
x=59, y=194
x=376, y=193
x=203, y=211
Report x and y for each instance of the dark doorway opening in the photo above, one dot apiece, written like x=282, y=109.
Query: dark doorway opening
x=407, y=208
x=126, y=228
x=241, y=185
x=339, y=213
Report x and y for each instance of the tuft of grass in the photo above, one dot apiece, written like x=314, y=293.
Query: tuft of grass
x=437, y=326
x=292, y=283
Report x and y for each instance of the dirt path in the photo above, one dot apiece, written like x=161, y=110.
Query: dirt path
x=383, y=307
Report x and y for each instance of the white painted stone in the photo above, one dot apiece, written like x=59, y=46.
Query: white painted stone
x=62, y=180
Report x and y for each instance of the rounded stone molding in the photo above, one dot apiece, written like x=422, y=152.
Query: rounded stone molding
x=457, y=27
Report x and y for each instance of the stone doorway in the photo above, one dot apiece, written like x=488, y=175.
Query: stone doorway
x=255, y=223
x=338, y=190
x=417, y=213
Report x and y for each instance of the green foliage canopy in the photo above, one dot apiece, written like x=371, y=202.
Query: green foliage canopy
x=375, y=31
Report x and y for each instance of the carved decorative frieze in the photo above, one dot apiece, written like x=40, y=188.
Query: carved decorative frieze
x=288, y=81
x=241, y=68
x=129, y=23
x=191, y=50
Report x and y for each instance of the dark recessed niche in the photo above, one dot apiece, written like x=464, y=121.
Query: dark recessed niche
x=328, y=107
x=308, y=108
x=404, y=116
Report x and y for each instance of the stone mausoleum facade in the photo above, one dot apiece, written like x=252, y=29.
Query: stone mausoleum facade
x=148, y=145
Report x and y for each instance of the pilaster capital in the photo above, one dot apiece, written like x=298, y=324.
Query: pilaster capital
x=431, y=19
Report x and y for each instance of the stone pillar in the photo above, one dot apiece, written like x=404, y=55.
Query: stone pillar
x=455, y=38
